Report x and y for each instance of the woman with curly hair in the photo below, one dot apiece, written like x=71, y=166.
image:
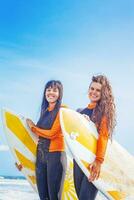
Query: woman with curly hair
x=101, y=110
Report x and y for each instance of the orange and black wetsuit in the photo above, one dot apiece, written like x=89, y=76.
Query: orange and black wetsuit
x=51, y=160
x=86, y=190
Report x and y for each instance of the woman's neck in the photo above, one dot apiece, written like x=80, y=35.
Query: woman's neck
x=92, y=105
x=51, y=106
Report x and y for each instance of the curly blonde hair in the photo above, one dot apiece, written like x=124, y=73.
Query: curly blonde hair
x=105, y=106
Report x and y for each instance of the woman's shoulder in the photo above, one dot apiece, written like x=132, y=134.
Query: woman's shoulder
x=79, y=110
x=104, y=118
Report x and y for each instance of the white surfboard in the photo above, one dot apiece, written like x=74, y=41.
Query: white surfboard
x=116, y=180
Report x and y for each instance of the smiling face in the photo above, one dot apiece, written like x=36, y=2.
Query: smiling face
x=94, y=92
x=52, y=94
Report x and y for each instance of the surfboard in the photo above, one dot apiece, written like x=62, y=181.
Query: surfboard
x=116, y=181
x=23, y=143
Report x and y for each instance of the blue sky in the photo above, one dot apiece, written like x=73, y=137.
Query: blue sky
x=71, y=41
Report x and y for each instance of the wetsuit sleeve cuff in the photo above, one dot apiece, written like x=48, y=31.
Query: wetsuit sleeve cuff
x=100, y=160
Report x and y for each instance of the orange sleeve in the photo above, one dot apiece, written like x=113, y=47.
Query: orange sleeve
x=49, y=134
x=102, y=140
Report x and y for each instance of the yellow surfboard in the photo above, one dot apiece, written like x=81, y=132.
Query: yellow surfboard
x=23, y=143
x=116, y=180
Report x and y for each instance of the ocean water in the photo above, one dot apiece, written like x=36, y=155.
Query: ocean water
x=16, y=189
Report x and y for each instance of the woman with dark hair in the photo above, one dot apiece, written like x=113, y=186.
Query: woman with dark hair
x=101, y=110
x=51, y=158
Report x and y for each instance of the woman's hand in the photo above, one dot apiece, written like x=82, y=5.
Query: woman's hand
x=94, y=170
x=30, y=123
x=87, y=117
x=18, y=166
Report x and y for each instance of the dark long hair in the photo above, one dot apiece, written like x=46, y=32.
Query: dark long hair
x=47, y=118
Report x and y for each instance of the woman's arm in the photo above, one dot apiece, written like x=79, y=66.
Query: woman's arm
x=102, y=140
x=95, y=167
x=49, y=134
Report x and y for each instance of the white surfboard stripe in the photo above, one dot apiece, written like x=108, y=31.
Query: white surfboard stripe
x=18, y=143
x=28, y=172
x=33, y=136
x=80, y=150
